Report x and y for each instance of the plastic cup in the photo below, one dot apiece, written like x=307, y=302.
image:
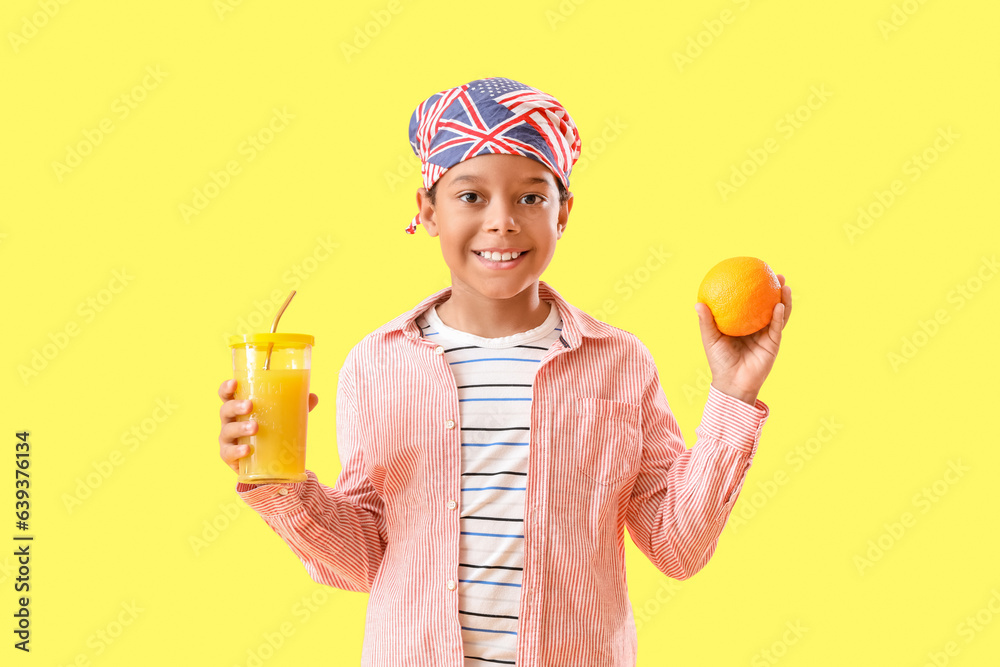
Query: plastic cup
x=280, y=396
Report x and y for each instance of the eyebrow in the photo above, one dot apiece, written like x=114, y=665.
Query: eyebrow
x=527, y=179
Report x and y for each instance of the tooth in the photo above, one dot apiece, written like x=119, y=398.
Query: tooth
x=499, y=257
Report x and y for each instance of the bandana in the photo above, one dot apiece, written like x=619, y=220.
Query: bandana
x=491, y=115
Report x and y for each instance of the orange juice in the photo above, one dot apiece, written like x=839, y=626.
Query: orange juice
x=280, y=404
x=280, y=400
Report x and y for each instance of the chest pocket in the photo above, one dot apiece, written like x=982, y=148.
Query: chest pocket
x=607, y=439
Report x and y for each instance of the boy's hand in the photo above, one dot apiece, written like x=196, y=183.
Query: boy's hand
x=739, y=364
x=231, y=452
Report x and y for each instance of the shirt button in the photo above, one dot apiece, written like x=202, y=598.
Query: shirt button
x=452, y=504
x=438, y=350
x=282, y=491
x=450, y=423
x=451, y=584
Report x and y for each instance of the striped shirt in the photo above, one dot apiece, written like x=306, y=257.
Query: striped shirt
x=493, y=377
x=605, y=453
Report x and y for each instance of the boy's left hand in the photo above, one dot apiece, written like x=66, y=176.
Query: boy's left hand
x=739, y=364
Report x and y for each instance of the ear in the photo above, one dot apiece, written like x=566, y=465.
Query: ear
x=564, y=210
x=426, y=209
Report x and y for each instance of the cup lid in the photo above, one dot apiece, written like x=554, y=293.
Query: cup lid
x=287, y=339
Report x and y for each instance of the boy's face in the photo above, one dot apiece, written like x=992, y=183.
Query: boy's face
x=496, y=202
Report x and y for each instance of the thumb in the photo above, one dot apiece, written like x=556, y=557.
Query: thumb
x=706, y=321
x=775, y=325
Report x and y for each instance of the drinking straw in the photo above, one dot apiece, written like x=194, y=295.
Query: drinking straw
x=274, y=326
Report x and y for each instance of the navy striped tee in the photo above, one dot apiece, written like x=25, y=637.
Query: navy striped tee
x=494, y=378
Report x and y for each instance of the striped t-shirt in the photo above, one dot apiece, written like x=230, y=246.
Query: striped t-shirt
x=494, y=378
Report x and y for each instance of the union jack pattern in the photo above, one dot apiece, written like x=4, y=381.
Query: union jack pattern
x=491, y=115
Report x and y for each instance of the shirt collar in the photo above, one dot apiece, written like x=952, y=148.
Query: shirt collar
x=576, y=323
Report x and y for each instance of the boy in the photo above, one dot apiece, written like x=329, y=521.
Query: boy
x=496, y=440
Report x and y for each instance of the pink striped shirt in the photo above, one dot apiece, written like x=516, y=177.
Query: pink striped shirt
x=606, y=453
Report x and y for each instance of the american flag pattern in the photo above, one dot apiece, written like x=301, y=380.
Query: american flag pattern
x=491, y=115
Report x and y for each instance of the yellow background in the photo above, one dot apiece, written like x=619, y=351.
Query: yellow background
x=340, y=174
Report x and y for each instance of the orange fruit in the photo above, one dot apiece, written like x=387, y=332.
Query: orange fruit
x=741, y=293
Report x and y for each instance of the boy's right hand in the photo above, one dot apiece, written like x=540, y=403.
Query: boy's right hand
x=229, y=450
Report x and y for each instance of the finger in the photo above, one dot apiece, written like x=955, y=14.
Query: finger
x=777, y=323
x=786, y=300
x=233, y=430
x=706, y=322
x=781, y=280
x=227, y=389
x=313, y=400
x=233, y=409
x=231, y=455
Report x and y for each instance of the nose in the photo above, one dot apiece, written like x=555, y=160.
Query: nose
x=499, y=216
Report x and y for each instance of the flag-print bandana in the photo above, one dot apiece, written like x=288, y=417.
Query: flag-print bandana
x=491, y=115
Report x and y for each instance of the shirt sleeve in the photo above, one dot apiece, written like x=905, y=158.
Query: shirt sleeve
x=338, y=533
x=682, y=497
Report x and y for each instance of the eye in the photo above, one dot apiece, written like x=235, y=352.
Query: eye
x=538, y=199
x=462, y=197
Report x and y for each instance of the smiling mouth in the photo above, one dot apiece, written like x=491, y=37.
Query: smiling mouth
x=500, y=257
